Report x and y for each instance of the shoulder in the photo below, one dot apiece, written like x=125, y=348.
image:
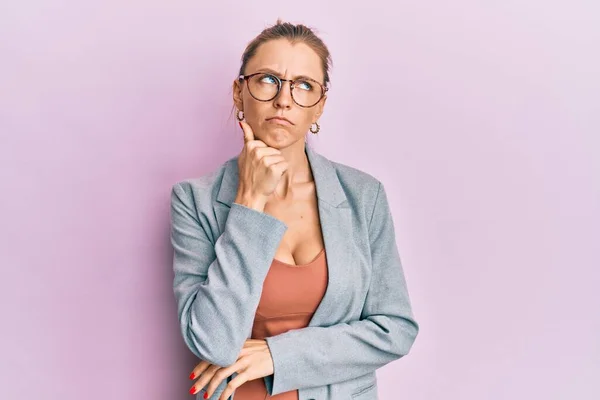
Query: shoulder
x=354, y=178
x=202, y=188
x=361, y=188
x=367, y=195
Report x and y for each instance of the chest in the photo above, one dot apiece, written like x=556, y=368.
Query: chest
x=303, y=240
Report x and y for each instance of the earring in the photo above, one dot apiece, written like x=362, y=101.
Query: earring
x=238, y=115
x=317, y=129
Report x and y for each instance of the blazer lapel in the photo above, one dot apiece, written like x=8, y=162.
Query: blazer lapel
x=336, y=226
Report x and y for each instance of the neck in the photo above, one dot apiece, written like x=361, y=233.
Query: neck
x=298, y=170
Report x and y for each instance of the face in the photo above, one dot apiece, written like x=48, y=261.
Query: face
x=286, y=61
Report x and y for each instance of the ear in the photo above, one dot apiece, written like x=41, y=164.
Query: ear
x=319, y=109
x=237, y=95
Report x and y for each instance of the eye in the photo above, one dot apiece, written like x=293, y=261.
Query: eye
x=269, y=79
x=304, y=85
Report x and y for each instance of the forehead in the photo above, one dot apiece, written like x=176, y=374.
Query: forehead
x=289, y=60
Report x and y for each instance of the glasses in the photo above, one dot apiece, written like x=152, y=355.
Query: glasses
x=305, y=92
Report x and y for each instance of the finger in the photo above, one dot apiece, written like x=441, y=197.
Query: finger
x=260, y=152
x=220, y=375
x=251, y=146
x=198, y=369
x=278, y=168
x=248, y=133
x=204, y=378
x=269, y=161
x=233, y=384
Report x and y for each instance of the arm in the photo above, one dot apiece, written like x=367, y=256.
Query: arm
x=217, y=286
x=316, y=356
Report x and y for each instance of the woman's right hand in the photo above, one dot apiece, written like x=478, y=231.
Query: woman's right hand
x=260, y=169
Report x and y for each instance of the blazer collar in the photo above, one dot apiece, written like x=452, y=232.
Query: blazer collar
x=327, y=183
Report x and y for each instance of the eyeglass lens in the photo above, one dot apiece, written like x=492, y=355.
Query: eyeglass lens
x=265, y=87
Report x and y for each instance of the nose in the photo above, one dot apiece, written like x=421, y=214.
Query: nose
x=284, y=97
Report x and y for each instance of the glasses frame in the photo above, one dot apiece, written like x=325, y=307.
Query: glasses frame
x=280, y=81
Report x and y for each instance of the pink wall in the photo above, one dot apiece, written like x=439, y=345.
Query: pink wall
x=481, y=118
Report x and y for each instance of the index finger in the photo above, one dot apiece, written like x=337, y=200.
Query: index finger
x=248, y=134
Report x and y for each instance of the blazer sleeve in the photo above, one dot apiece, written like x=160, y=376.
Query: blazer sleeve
x=218, y=286
x=316, y=356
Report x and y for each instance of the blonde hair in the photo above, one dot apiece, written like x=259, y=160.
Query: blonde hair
x=293, y=33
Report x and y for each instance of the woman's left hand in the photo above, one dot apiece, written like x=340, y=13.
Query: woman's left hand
x=254, y=362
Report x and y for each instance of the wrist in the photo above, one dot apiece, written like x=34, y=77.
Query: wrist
x=251, y=201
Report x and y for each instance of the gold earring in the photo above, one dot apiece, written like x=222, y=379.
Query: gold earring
x=318, y=128
x=238, y=115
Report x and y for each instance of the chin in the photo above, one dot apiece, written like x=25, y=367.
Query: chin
x=277, y=135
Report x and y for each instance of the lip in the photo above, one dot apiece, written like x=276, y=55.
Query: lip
x=280, y=120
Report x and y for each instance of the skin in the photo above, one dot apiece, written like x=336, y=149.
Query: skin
x=288, y=61
x=275, y=178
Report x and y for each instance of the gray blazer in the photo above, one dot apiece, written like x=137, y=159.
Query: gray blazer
x=223, y=251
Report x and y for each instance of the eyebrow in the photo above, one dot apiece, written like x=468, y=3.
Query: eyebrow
x=271, y=71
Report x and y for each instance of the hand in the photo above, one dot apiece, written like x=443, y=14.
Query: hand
x=254, y=362
x=260, y=169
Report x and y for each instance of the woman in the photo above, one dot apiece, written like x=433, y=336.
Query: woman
x=287, y=276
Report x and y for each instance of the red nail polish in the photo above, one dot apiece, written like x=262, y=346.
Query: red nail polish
x=240, y=125
x=193, y=390
x=192, y=375
x=205, y=395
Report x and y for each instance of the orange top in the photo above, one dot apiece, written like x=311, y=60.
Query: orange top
x=290, y=296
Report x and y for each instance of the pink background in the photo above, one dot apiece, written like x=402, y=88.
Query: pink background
x=481, y=118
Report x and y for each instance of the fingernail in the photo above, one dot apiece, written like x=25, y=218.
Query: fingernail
x=192, y=375
x=206, y=395
x=240, y=124
x=193, y=390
